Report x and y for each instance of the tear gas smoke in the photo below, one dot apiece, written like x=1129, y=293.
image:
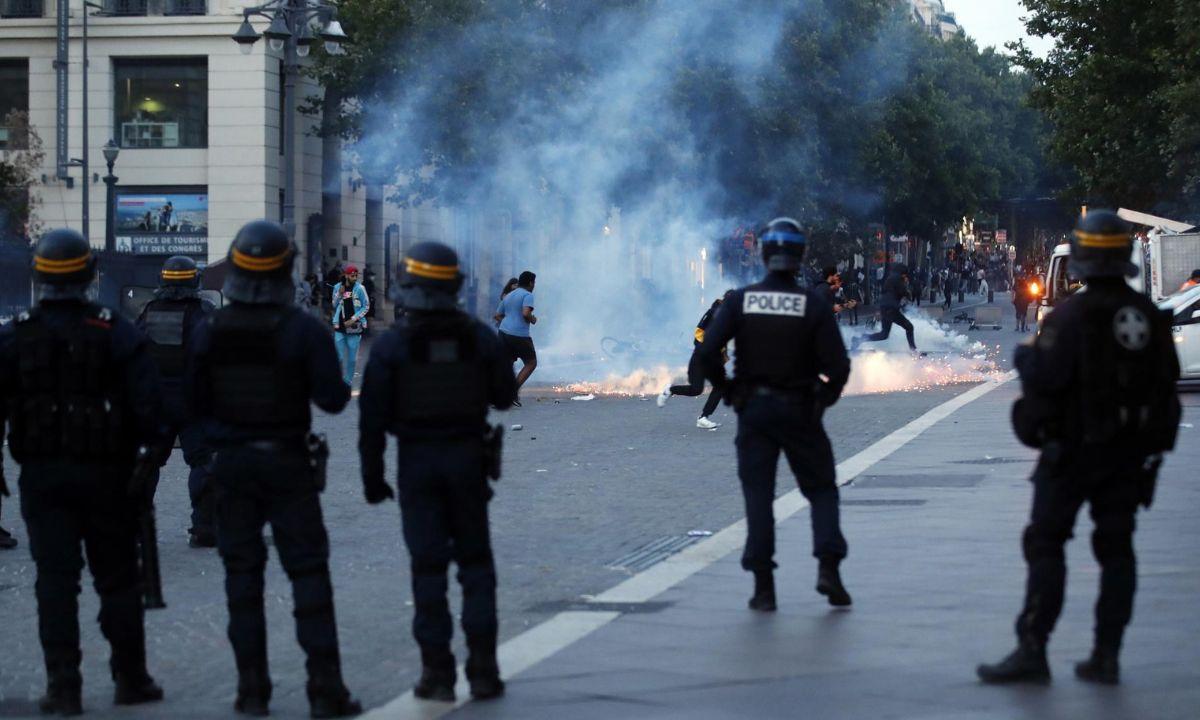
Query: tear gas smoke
x=614, y=190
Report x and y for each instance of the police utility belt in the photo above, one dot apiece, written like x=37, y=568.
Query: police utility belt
x=315, y=447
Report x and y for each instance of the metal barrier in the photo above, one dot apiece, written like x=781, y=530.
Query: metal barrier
x=986, y=316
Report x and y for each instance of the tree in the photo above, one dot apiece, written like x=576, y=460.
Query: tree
x=20, y=163
x=850, y=116
x=1120, y=90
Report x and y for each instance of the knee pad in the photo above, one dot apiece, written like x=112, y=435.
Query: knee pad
x=429, y=565
x=1037, y=544
x=1113, y=540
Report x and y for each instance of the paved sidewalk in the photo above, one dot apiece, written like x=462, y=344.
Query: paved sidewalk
x=937, y=577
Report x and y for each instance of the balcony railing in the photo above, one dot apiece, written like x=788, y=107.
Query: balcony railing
x=20, y=8
x=185, y=7
x=126, y=7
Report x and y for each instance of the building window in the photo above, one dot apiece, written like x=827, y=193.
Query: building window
x=161, y=102
x=14, y=97
x=20, y=8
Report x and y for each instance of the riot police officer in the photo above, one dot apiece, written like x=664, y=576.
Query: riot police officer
x=255, y=366
x=789, y=365
x=80, y=393
x=168, y=322
x=429, y=381
x=1099, y=400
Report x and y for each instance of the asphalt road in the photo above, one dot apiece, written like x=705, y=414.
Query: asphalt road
x=585, y=485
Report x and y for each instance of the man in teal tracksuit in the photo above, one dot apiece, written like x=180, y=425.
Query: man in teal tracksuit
x=350, y=306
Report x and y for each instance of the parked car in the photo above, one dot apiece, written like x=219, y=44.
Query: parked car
x=1185, y=328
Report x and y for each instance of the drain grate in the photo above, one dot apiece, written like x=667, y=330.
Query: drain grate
x=919, y=481
x=865, y=502
x=652, y=552
x=995, y=461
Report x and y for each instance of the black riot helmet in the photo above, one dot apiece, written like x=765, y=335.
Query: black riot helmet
x=1101, y=246
x=429, y=278
x=260, y=260
x=64, y=267
x=179, y=271
x=783, y=245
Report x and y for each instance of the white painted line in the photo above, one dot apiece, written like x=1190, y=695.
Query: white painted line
x=566, y=628
x=676, y=568
x=515, y=656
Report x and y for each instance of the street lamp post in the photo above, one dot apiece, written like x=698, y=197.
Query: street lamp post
x=290, y=31
x=110, y=207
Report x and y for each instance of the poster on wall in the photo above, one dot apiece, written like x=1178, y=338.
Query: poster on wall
x=169, y=222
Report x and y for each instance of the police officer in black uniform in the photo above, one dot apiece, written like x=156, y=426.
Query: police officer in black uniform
x=1099, y=400
x=786, y=339
x=255, y=366
x=168, y=322
x=429, y=381
x=80, y=393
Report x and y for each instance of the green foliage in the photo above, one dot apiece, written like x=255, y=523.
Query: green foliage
x=1121, y=89
x=860, y=117
x=20, y=162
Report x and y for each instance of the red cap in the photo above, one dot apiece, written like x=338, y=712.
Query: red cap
x=350, y=269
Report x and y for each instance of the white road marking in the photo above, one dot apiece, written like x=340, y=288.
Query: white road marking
x=515, y=656
x=566, y=628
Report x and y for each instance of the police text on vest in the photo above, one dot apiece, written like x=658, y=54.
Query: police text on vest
x=774, y=303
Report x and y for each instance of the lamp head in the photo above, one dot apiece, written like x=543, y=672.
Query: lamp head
x=334, y=36
x=277, y=33
x=246, y=36
x=110, y=152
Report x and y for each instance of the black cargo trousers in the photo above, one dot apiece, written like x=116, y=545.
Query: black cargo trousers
x=271, y=482
x=71, y=508
x=1112, y=494
x=768, y=424
x=444, y=496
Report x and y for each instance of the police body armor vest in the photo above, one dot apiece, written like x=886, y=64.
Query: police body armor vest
x=167, y=325
x=773, y=340
x=1125, y=401
x=68, y=401
x=444, y=382
x=253, y=386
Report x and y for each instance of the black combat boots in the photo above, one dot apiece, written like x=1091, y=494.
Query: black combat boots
x=829, y=583
x=135, y=688
x=63, y=686
x=764, y=591
x=1026, y=664
x=437, y=676
x=483, y=672
x=327, y=693
x=254, y=690
x=1102, y=667
x=62, y=698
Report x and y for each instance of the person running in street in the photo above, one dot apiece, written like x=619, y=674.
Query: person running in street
x=695, y=386
x=895, y=290
x=515, y=316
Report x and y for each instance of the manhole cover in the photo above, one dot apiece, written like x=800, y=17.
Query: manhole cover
x=883, y=503
x=653, y=552
x=919, y=481
x=995, y=461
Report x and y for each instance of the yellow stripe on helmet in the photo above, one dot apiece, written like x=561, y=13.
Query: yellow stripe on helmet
x=178, y=274
x=253, y=264
x=61, y=267
x=1094, y=240
x=427, y=270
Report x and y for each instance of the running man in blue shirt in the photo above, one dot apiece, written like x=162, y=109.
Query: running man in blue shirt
x=515, y=315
